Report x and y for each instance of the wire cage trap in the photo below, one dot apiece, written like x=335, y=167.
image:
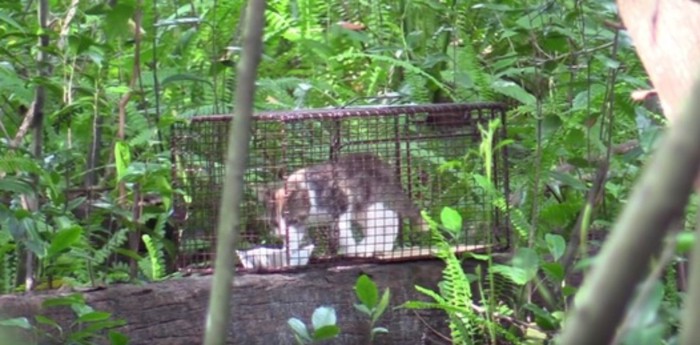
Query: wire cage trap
x=342, y=185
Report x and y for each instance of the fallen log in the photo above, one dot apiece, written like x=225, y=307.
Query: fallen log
x=173, y=312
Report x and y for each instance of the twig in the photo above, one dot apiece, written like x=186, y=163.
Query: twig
x=594, y=193
x=432, y=329
x=25, y=126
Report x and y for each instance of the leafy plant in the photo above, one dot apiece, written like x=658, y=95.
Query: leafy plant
x=371, y=304
x=323, y=326
x=90, y=326
x=455, y=295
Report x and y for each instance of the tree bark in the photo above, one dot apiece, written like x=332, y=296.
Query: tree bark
x=666, y=35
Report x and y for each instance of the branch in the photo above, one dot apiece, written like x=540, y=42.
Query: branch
x=581, y=229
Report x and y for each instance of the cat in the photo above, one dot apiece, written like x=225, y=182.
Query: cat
x=357, y=188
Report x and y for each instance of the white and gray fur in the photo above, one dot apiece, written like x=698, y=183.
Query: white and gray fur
x=358, y=188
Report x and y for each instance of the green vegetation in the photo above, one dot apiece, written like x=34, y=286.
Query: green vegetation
x=86, y=199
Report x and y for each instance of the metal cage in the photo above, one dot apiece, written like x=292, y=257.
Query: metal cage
x=293, y=217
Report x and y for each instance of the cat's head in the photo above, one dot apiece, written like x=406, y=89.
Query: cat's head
x=285, y=205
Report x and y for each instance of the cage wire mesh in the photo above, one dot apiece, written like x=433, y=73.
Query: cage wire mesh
x=342, y=185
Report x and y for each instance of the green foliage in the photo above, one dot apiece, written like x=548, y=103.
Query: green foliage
x=323, y=320
x=323, y=326
x=370, y=303
x=565, y=73
x=89, y=327
x=455, y=296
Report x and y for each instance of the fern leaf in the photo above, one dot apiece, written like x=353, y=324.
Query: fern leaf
x=155, y=259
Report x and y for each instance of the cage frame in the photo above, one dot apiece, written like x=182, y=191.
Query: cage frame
x=485, y=111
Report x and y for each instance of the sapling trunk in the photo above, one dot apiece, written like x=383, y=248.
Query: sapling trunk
x=229, y=211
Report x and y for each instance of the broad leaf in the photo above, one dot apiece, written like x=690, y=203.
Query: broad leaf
x=323, y=316
x=64, y=238
x=122, y=158
x=451, y=219
x=527, y=260
x=383, y=304
x=366, y=291
x=326, y=332
x=117, y=338
x=94, y=316
x=556, y=245
x=21, y=322
x=299, y=328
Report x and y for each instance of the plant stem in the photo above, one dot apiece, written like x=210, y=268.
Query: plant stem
x=236, y=161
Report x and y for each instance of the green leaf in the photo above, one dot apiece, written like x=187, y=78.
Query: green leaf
x=383, y=304
x=122, y=157
x=299, y=328
x=323, y=316
x=185, y=77
x=556, y=245
x=99, y=9
x=81, y=309
x=685, y=241
x=516, y=275
x=362, y=309
x=451, y=219
x=117, y=338
x=529, y=22
x=48, y=321
x=4, y=18
x=366, y=291
x=64, y=238
x=568, y=291
x=543, y=319
x=480, y=257
x=568, y=179
x=116, y=23
x=554, y=269
x=21, y=322
x=64, y=300
x=376, y=330
x=94, y=316
x=326, y=332
x=527, y=260
x=16, y=185
x=513, y=90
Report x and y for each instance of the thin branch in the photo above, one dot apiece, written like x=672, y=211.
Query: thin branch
x=228, y=228
x=580, y=230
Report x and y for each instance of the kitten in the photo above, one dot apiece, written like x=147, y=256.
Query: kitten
x=358, y=189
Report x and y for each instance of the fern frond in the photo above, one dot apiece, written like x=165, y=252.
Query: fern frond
x=13, y=163
x=153, y=265
x=8, y=270
x=115, y=241
x=455, y=288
